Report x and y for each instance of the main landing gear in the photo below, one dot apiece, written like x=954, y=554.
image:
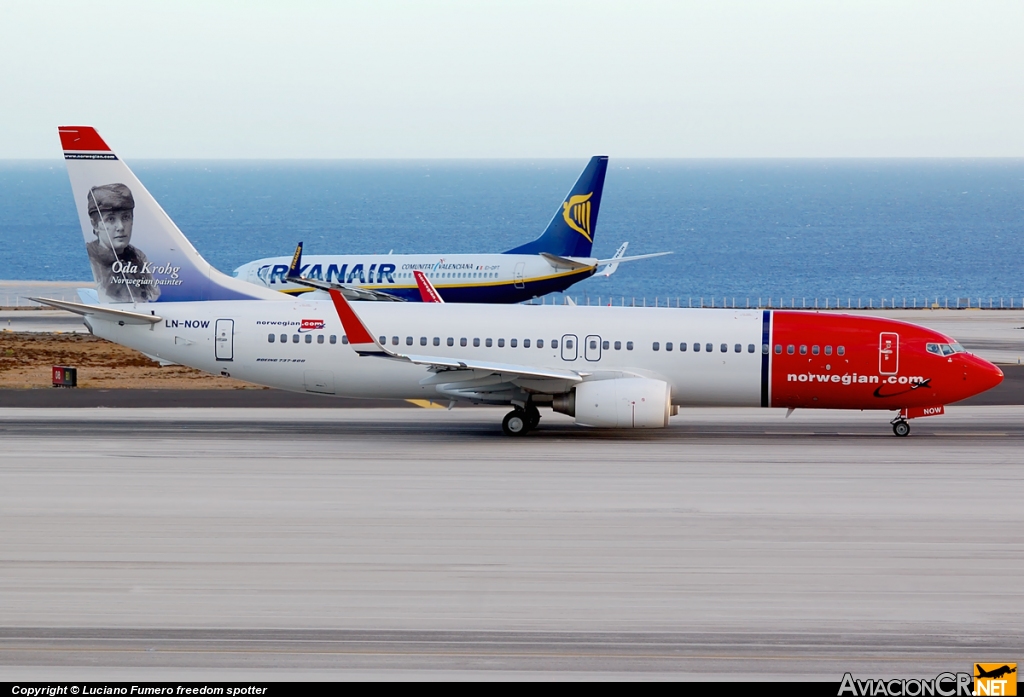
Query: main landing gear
x=900, y=426
x=519, y=422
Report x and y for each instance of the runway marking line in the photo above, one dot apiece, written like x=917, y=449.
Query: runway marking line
x=494, y=654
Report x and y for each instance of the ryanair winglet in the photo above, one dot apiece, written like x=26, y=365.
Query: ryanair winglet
x=294, y=269
x=571, y=232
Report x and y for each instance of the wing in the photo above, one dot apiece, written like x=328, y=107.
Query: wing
x=447, y=370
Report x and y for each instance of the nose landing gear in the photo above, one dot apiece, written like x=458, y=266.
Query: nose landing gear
x=519, y=422
x=900, y=427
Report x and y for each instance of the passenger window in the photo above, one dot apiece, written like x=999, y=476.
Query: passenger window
x=815, y=350
x=791, y=349
x=629, y=345
x=382, y=339
x=501, y=343
x=593, y=344
x=828, y=350
x=618, y=345
x=655, y=346
x=803, y=350
x=489, y=343
x=408, y=341
x=476, y=342
x=554, y=343
x=451, y=341
x=309, y=338
x=841, y=350
x=512, y=343
x=738, y=349
x=334, y=339
x=295, y=338
x=423, y=341
x=271, y=338
x=696, y=347
x=319, y=338
x=709, y=348
x=604, y=345
x=682, y=345
x=394, y=341
x=725, y=348
x=437, y=341
x=344, y=339
x=668, y=345
x=463, y=341
x=568, y=343
x=526, y=343
x=778, y=348
x=284, y=338
x=540, y=343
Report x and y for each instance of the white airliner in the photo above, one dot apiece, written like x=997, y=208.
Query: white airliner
x=553, y=262
x=614, y=367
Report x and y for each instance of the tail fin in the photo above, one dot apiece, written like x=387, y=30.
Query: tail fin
x=571, y=232
x=137, y=253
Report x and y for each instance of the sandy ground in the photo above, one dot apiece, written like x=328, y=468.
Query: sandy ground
x=26, y=360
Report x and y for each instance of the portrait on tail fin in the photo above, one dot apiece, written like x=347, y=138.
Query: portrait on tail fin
x=121, y=270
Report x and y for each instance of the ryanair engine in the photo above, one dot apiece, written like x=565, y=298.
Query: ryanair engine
x=618, y=403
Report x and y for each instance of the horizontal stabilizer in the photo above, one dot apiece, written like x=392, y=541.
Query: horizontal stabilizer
x=633, y=258
x=101, y=311
x=564, y=263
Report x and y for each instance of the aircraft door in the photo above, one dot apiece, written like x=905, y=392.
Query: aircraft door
x=592, y=348
x=224, y=340
x=888, y=353
x=569, y=348
x=518, y=274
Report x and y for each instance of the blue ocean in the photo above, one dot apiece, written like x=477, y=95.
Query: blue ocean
x=743, y=230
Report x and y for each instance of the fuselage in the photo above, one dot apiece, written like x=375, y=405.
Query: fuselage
x=460, y=278
x=708, y=357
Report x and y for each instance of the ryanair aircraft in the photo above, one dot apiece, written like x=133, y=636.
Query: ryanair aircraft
x=549, y=264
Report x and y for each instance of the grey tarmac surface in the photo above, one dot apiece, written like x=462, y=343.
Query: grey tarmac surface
x=419, y=543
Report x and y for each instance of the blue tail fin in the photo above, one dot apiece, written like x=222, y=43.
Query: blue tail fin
x=571, y=232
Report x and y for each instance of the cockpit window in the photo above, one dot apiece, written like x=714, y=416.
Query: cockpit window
x=933, y=348
x=957, y=348
x=947, y=350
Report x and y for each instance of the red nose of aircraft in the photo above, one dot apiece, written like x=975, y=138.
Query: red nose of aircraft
x=981, y=375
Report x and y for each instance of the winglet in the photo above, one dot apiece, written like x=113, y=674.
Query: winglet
x=294, y=269
x=359, y=337
x=428, y=293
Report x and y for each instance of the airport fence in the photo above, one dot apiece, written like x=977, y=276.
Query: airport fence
x=791, y=303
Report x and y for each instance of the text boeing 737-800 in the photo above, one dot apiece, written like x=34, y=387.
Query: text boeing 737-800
x=615, y=367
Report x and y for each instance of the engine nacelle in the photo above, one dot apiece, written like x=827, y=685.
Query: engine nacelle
x=619, y=403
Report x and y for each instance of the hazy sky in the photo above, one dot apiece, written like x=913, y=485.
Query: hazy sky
x=516, y=79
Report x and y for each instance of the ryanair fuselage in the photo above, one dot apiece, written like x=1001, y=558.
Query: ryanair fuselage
x=460, y=278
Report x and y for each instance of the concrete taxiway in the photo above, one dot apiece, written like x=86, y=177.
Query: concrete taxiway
x=318, y=543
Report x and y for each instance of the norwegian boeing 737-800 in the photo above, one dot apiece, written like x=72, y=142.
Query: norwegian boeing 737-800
x=615, y=367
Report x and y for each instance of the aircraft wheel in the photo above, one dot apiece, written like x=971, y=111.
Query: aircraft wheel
x=901, y=428
x=515, y=423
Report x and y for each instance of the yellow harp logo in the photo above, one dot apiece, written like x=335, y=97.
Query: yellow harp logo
x=576, y=212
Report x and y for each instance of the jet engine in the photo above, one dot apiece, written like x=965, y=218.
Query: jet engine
x=618, y=403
